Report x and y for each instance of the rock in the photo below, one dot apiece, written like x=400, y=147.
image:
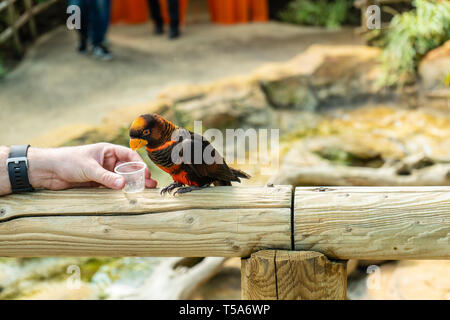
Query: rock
x=226, y=108
x=290, y=93
x=435, y=67
x=60, y=291
x=225, y=285
x=22, y=278
x=403, y=280
x=434, y=71
x=370, y=146
x=322, y=76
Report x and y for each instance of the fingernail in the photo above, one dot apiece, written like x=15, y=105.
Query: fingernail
x=118, y=183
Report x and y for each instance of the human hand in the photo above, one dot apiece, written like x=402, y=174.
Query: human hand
x=82, y=166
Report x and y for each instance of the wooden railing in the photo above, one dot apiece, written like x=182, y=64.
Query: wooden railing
x=276, y=230
x=16, y=21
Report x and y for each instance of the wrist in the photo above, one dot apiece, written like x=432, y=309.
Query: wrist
x=40, y=166
x=5, y=185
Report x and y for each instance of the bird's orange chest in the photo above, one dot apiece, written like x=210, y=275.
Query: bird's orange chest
x=181, y=177
x=178, y=175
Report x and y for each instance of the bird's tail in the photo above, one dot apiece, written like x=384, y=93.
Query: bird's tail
x=237, y=174
x=240, y=174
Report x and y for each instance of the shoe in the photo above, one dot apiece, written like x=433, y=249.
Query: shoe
x=82, y=47
x=174, y=34
x=102, y=53
x=158, y=30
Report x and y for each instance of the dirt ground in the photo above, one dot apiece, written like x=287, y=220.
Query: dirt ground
x=54, y=86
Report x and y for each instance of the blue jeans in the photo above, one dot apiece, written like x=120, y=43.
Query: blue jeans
x=95, y=15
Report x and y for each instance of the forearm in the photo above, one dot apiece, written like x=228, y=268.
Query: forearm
x=40, y=168
x=73, y=167
x=5, y=185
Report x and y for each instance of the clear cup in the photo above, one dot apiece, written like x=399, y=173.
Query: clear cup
x=134, y=175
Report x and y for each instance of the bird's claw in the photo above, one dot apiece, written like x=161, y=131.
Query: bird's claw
x=170, y=188
x=188, y=189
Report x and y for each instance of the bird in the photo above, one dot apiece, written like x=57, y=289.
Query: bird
x=180, y=153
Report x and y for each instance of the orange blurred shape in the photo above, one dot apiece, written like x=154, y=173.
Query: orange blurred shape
x=242, y=8
x=260, y=11
x=212, y=4
x=135, y=11
x=238, y=11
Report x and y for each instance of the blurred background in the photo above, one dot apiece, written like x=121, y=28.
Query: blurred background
x=358, y=91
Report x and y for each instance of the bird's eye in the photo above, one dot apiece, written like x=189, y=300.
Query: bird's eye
x=146, y=132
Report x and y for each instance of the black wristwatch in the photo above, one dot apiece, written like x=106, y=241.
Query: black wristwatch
x=17, y=165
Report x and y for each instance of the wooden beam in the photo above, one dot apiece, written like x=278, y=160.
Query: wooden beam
x=32, y=23
x=3, y=5
x=17, y=22
x=292, y=275
x=12, y=17
x=341, y=222
x=373, y=222
x=38, y=8
x=220, y=221
x=5, y=35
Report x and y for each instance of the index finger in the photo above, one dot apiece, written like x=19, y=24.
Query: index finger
x=125, y=154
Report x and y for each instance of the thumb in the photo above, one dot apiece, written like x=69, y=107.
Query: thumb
x=108, y=178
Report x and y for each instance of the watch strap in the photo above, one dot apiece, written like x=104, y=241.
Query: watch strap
x=17, y=164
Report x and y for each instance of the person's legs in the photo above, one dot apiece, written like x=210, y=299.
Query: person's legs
x=105, y=16
x=155, y=13
x=84, y=27
x=100, y=12
x=174, y=12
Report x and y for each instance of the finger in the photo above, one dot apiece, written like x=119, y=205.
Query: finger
x=150, y=183
x=106, y=178
x=125, y=154
x=86, y=185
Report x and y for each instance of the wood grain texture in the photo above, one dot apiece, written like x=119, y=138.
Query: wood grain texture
x=258, y=276
x=221, y=221
x=292, y=275
x=374, y=222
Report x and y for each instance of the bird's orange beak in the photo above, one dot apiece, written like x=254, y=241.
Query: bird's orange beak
x=137, y=143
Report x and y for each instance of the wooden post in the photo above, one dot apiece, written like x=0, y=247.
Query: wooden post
x=292, y=275
x=31, y=21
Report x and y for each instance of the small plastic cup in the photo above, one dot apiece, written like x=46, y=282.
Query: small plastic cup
x=134, y=174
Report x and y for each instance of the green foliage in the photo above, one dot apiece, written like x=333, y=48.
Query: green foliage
x=410, y=36
x=330, y=14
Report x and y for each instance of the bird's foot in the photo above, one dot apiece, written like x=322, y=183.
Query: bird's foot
x=189, y=189
x=170, y=187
